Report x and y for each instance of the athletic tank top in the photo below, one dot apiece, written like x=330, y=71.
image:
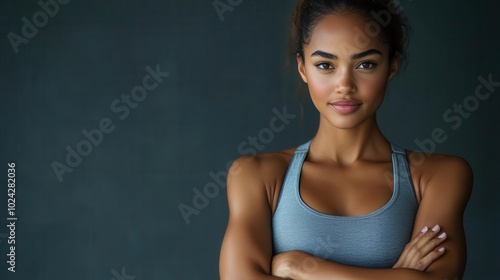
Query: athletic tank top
x=374, y=240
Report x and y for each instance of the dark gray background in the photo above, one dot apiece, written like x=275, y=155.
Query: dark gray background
x=119, y=207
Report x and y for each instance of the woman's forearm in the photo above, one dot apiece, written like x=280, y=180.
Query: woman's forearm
x=252, y=277
x=328, y=270
x=298, y=265
x=241, y=274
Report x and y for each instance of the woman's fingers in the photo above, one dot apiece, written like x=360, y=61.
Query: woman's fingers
x=427, y=243
x=422, y=250
x=413, y=245
x=403, y=260
x=424, y=263
x=417, y=247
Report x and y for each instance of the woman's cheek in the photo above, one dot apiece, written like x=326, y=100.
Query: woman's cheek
x=373, y=88
x=320, y=87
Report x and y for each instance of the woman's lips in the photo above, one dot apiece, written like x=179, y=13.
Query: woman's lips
x=345, y=107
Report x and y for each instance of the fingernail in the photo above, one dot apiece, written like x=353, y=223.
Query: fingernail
x=435, y=228
x=442, y=235
x=425, y=229
x=441, y=249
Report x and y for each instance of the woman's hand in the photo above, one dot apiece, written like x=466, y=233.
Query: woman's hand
x=422, y=251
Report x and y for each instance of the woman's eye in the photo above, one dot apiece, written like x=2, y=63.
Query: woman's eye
x=324, y=66
x=367, y=65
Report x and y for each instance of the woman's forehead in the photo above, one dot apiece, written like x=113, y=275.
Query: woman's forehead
x=345, y=33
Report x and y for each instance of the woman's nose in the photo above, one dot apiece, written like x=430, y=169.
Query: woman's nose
x=344, y=82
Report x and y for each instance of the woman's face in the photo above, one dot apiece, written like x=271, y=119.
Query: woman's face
x=346, y=70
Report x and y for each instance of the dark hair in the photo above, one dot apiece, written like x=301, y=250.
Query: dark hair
x=392, y=24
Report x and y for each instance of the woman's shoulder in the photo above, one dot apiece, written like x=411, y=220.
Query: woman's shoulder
x=437, y=162
x=262, y=165
x=259, y=173
x=436, y=169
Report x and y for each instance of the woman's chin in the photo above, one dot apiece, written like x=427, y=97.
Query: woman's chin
x=346, y=122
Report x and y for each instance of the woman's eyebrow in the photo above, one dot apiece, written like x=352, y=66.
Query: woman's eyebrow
x=324, y=55
x=354, y=56
x=366, y=53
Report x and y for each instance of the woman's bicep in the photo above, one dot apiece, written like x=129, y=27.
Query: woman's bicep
x=443, y=203
x=247, y=246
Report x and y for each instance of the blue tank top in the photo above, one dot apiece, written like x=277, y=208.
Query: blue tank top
x=374, y=240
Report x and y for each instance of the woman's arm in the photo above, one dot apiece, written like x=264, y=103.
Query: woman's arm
x=447, y=184
x=246, y=251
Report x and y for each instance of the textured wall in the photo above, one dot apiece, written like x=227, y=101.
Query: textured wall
x=117, y=113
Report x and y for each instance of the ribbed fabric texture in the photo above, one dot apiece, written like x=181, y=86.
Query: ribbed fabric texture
x=374, y=240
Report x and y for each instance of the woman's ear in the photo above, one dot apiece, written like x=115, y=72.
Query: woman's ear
x=301, y=68
x=394, y=66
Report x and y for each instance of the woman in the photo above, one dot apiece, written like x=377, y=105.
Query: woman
x=348, y=204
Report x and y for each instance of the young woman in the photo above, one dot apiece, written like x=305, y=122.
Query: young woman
x=348, y=204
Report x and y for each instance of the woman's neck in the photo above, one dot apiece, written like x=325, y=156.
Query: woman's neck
x=346, y=146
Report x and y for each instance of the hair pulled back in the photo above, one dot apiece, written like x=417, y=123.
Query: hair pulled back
x=392, y=24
